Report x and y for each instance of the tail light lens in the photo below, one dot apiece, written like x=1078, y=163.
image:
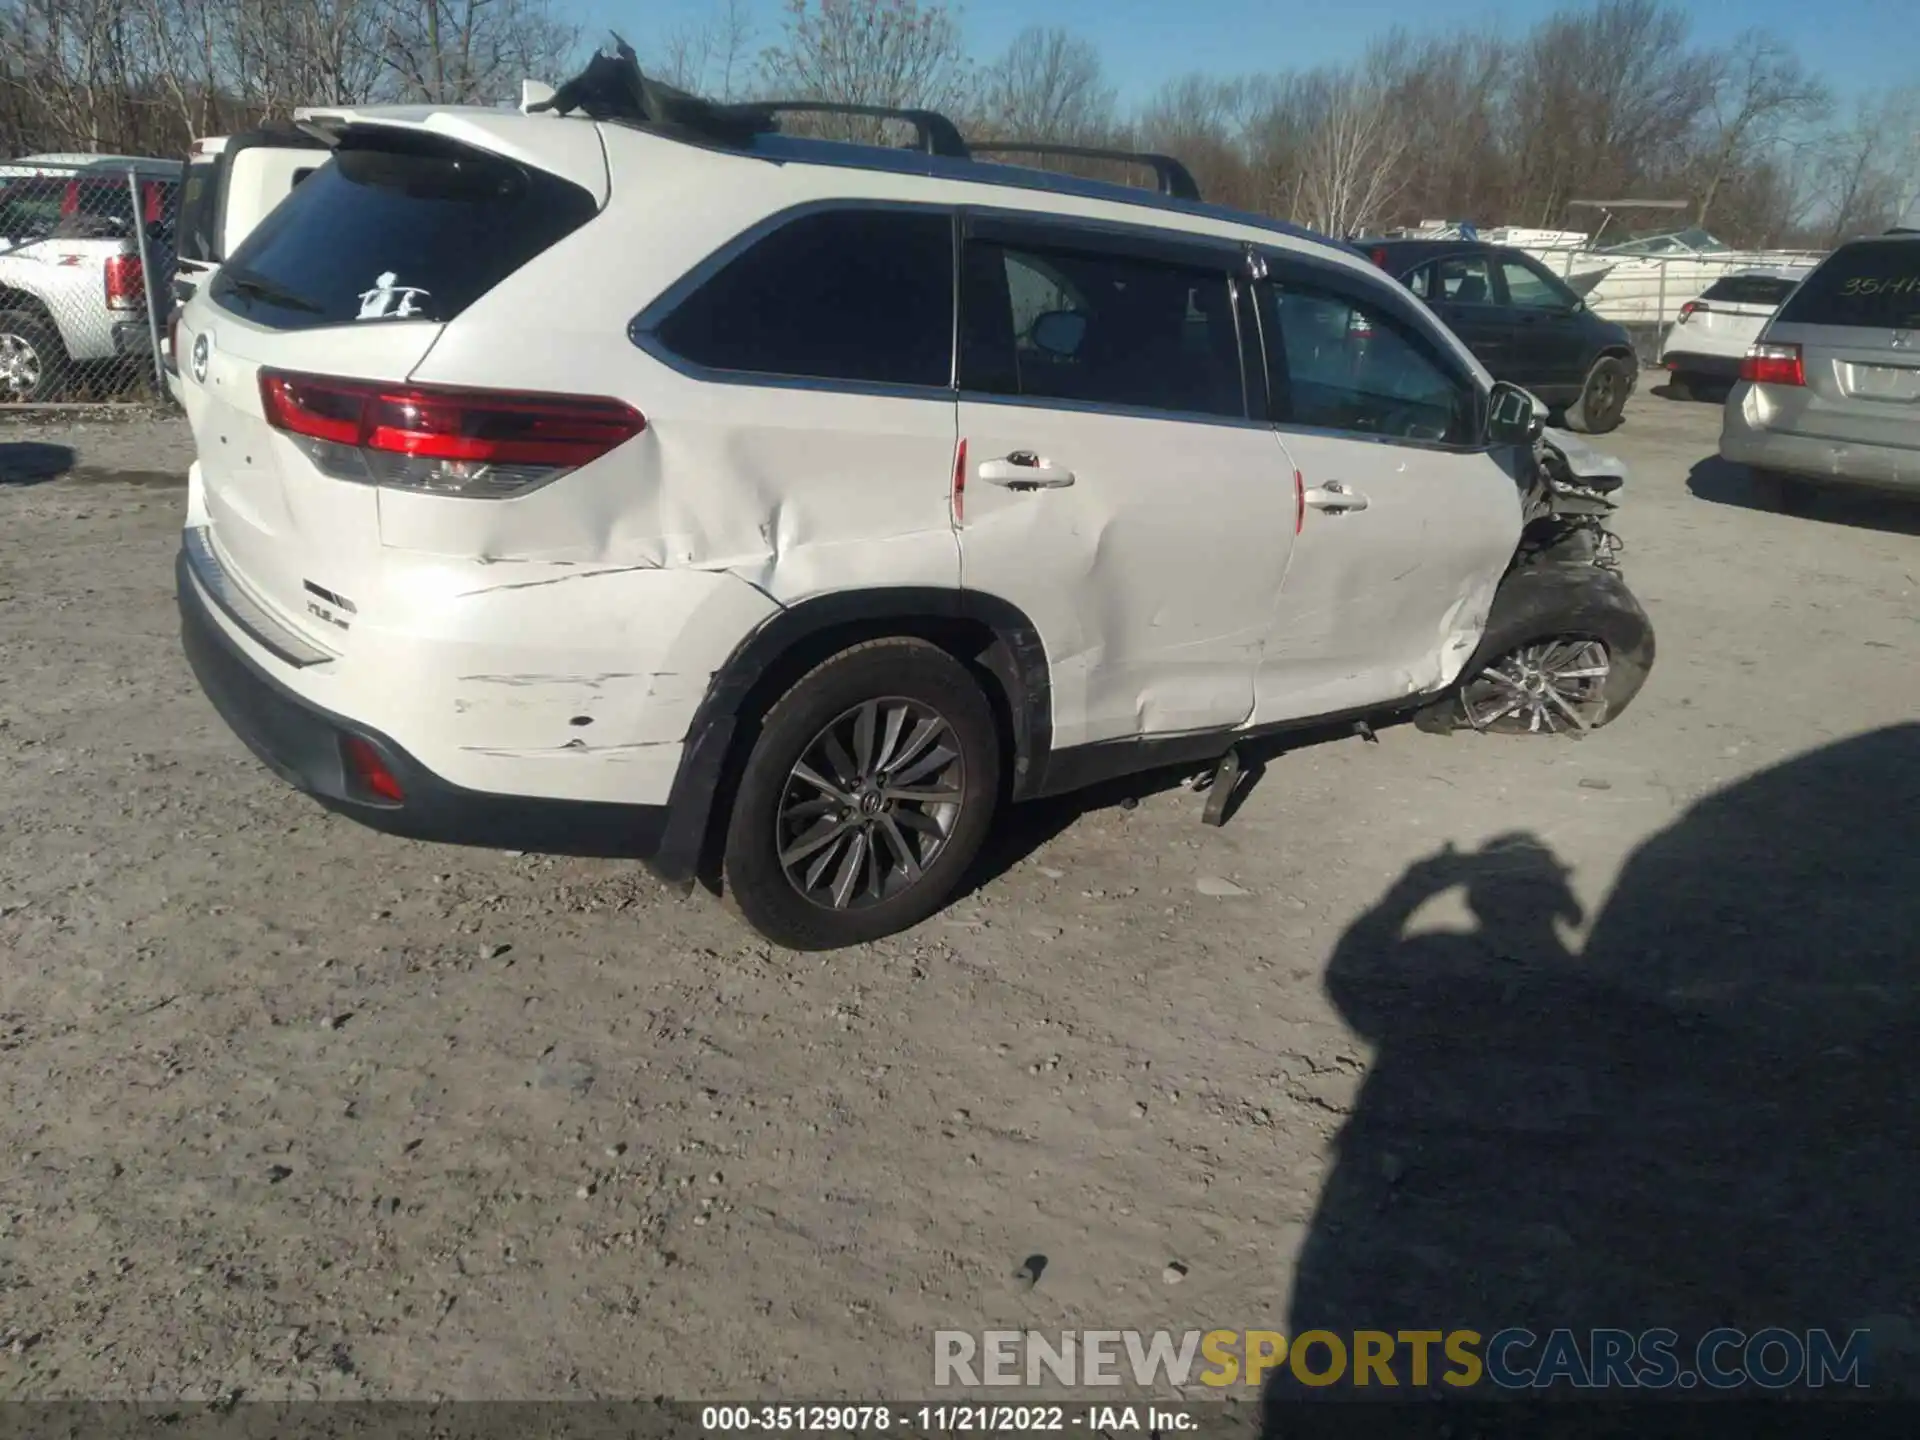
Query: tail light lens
x=1379, y=257
x=1773, y=365
x=1693, y=306
x=481, y=444
x=126, y=283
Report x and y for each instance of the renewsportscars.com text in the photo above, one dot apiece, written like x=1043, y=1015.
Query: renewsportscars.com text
x=1511, y=1359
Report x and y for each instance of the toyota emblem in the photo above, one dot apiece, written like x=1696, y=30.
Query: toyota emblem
x=200, y=348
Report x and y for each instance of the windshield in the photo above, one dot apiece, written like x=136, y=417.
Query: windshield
x=1672, y=242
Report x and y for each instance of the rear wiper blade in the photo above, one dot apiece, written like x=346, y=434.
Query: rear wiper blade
x=262, y=288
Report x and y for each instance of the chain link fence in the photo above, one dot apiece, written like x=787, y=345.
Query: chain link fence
x=86, y=279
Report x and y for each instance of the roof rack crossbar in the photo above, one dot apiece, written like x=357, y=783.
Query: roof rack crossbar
x=934, y=132
x=1175, y=179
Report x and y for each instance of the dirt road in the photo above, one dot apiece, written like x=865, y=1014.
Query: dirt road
x=299, y=1110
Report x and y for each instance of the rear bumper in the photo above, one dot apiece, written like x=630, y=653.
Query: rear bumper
x=133, y=339
x=1838, y=462
x=303, y=744
x=1694, y=362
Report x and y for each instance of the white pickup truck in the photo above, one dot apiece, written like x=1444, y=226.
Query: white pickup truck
x=74, y=294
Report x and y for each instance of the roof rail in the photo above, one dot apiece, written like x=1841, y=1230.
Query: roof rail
x=934, y=132
x=1175, y=179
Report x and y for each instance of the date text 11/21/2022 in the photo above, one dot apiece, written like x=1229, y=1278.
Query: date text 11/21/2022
x=984, y=1419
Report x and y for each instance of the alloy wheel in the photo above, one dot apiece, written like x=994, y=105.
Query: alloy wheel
x=1546, y=688
x=868, y=807
x=19, y=365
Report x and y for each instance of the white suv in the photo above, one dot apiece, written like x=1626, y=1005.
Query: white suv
x=773, y=509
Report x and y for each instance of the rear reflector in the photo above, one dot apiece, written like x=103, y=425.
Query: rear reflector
x=486, y=444
x=367, y=766
x=1773, y=365
x=126, y=283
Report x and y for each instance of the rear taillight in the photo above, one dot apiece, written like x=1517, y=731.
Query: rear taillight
x=1693, y=306
x=126, y=283
x=483, y=444
x=1379, y=257
x=1773, y=365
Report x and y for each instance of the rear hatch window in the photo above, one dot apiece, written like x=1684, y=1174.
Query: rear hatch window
x=399, y=227
x=1870, y=284
x=1767, y=290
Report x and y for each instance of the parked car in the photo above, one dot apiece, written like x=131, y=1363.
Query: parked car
x=1829, y=395
x=1522, y=322
x=228, y=184
x=776, y=508
x=1704, y=346
x=74, y=292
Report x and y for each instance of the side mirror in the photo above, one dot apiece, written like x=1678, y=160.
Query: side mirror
x=1514, y=417
x=1059, y=332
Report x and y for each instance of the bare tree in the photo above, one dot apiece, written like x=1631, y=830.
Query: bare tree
x=1351, y=160
x=1602, y=100
x=1203, y=121
x=467, y=51
x=713, y=58
x=1759, y=89
x=1869, y=168
x=867, y=52
x=1049, y=85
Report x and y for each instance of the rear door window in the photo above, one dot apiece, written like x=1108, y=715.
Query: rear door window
x=1462, y=280
x=1100, y=328
x=860, y=295
x=1870, y=284
x=397, y=228
x=1532, y=289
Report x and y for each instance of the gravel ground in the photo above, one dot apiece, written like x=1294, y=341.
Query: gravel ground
x=297, y=1110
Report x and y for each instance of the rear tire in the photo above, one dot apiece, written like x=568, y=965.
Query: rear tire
x=32, y=358
x=1603, y=397
x=865, y=798
x=1787, y=494
x=1578, y=618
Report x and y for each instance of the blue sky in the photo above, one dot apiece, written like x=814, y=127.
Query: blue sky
x=1856, y=45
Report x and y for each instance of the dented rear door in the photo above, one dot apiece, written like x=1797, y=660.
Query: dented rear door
x=1121, y=487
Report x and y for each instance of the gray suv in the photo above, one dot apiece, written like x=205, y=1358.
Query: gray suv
x=1830, y=393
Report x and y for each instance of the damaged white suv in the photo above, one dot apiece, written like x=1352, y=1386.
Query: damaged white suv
x=648, y=481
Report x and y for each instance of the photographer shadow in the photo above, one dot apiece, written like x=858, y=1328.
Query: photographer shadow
x=1704, y=1117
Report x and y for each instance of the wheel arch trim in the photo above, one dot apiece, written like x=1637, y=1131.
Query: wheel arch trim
x=805, y=632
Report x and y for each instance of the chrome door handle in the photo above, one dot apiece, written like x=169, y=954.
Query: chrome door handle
x=1024, y=470
x=1335, y=498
